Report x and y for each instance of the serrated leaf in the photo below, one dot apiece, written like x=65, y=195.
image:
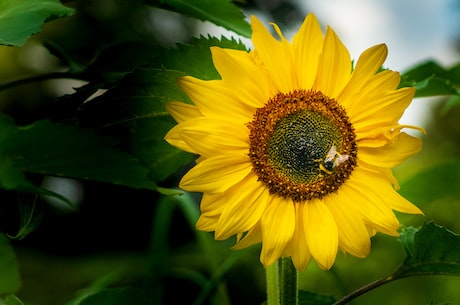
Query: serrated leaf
x=139, y=119
x=195, y=59
x=436, y=250
x=117, y=296
x=10, y=281
x=63, y=150
x=20, y=19
x=137, y=113
x=220, y=12
x=431, y=79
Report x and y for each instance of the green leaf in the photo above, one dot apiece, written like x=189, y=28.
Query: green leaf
x=311, y=298
x=13, y=179
x=406, y=238
x=63, y=150
x=10, y=281
x=20, y=19
x=12, y=300
x=435, y=250
x=137, y=113
x=117, y=296
x=195, y=59
x=138, y=118
x=220, y=12
x=431, y=79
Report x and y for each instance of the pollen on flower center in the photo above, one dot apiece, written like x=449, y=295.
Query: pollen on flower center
x=302, y=145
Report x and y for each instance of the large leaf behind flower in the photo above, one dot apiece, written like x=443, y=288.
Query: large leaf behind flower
x=219, y=12
x=137, y=113
x=19, y=19
x=62, y=150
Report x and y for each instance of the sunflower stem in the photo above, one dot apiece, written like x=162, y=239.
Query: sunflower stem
x=282, y=283
x=288, y=282
x=273, y=291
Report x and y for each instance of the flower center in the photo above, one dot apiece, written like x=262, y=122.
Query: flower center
x=302, y=145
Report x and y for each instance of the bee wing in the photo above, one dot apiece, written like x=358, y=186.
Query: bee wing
x=339, y=159
x=331, y=153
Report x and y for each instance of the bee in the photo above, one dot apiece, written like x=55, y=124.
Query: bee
x=332, y=160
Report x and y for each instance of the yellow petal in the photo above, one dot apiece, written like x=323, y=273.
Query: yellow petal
x=375, y=87
x=207, y=223
x=353, y=234
x=366, y=67
x=211, y=204
x=239, y=71
x=307, y=44
x=402, y=147
x=334, y=66
x=321, y=233
x=216, y=174
x=386, y=109
x=369, y=203
x=299, y=248
x=213, y=99
x=275, y=55
x=181, y=111
x=253, y=236
x=174, y=137
x=379, y=135
x=209, y=137
x=278, y=224
x=246, y=202
x=384, y=185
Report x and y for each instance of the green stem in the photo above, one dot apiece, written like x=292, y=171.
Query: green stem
x=273, y=287
x=282, y=283
x=288, y=282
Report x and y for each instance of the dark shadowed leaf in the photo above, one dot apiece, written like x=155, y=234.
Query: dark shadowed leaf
x=62, y=150
x=137, y=115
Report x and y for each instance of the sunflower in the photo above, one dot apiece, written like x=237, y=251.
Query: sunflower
x=296, y=145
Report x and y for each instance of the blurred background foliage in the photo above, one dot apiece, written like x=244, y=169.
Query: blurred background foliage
x=127, y=235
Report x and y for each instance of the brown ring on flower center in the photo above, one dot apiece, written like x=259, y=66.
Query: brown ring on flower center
x=302, y=145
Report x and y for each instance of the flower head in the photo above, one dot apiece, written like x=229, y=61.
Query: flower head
x=296, y=145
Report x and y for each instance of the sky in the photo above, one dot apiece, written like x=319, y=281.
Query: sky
x=414, y=30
